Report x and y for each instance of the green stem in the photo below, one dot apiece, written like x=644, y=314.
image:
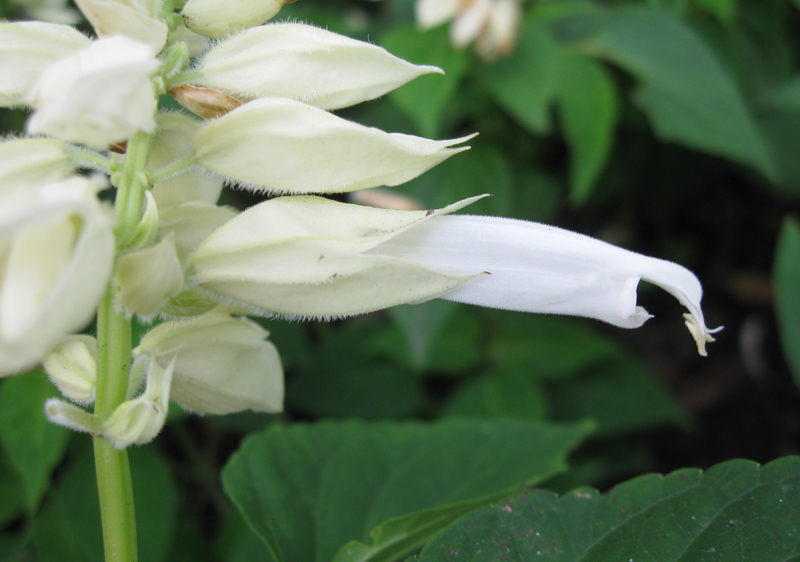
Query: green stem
x=171, y=170
x=113, y=471
x=113, y=367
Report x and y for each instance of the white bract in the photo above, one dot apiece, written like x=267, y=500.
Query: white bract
x=138, y=19
x=306, y=256
x=101, y=95
x=286, y=146
x=56, y=252
x=222, y=364
x=173, y=141
x=27, y=49
x=302, y=62
x=72, y=367
x=217, y=18
x=309, y=257
x=32, y=161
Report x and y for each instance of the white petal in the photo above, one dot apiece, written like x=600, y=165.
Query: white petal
x=287, y=146
x=302, y=62
x=431, y=13
x=217, y=18
x=137, y=20
x=471, y=22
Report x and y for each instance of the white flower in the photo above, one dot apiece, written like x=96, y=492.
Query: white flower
x=492, y=25
x=56, y=252
x=99, y=96
x=302, y=62
x=26, y=50
x=222, y=364
x=288, y=146
x=138, y=19
x=307, y=256
x=72, y=367
x=217, y=18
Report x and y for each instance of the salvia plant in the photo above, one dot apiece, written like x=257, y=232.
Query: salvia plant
x=109, y=211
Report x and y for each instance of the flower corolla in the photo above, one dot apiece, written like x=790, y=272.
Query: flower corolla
x=217, y=18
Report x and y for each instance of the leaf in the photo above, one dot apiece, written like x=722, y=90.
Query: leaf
x=787, y=293
x=587, y=102
x=499, y=395
x=687, y=94
x=69, y=528
x=33, y=445
x=12, y=499
x=547, y=347
x=309, y=489
x=525, y=83
x=425, y=99
x=735, y=511
x=724, y=10
x=620, y=396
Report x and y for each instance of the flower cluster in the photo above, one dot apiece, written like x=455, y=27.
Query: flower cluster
x=492, y=25
x=261, y=97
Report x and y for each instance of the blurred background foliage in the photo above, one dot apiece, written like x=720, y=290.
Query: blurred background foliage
x=670, y=127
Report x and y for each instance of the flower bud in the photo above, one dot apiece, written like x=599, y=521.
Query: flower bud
x=56, y=252
x=72, y=367
x=173, y=142
x=32, y=161
x=99, y=96
x=27, y=49
x=138, y=421
x=191, y=223
x=217, y=18
x=148, y=277
x=137, y=19
x=302, y=62
x=312, y=257
x=222, y=363
x=286, y=146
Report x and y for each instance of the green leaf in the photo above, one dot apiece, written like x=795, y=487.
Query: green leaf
x=69, y=527
x=724, y=10
x=12, y=499
x=33, y=445
x=525, y=83
x=587, y=101
x=621, y=396
x=499, y=395
x=426, y=98
x=735, y=511
x=546, y=347
x=787, y=293
x=685, y=90
x=309, y=489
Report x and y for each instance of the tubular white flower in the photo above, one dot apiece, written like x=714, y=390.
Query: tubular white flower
x=99, y=96
x=32, y=161
x=305, y=63
x=56, y=252
x=222, y=364
x=309, y=257
x=472, y=19
x=286, y=146
x=172, y=142
x=500, y=34
x=431, y=13
x=538, y=268
x=217, y=18
x=26, y=49
x=137, y=19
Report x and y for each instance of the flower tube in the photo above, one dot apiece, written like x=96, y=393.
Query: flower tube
x=310, y=257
